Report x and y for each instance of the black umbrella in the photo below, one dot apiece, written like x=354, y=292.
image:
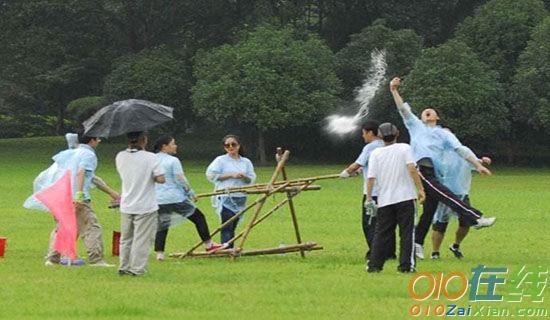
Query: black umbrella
x=126, y=116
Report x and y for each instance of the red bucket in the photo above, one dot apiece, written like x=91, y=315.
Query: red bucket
x=2, y=246
x=116, y=243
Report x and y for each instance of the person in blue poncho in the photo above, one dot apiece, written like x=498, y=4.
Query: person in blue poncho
x=175, y=198
x=228, y=171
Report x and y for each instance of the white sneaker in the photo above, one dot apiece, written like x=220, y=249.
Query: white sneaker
x=419, y=251
x=485, y=222
x=160, y=256
x=101, y=264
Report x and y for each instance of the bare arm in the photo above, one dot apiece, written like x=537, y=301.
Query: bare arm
x=351, y=170
x=103, y=186
x=414, y=175
x=403, y=109
x=370, y=186
x=478, y=165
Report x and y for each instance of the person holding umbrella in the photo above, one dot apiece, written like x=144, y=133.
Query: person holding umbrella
x=228, y=171
x=175, y=198
x=139, y=170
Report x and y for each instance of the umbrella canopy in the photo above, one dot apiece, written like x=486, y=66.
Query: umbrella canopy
x=126, y=116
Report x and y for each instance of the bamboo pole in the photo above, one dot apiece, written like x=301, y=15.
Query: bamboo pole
x=265, y=185
x=237, y=216
x=290, y=188
x=309, y=246
x=291, y=205
x=280, y=166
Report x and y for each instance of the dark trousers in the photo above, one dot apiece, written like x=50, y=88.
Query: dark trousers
x=436, y=192
x=198, y=220
x=370, y=229
x=389, y=217
x=228, y=232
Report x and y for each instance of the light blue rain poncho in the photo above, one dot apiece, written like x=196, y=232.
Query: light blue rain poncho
x=431, y=142
x=456, y=174
x=225, y=164
x=176, y=189
x=70, y=159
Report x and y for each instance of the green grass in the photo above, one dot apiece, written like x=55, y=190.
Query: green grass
x=328, y=284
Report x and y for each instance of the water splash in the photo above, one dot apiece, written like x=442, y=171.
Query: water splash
x=342, y=125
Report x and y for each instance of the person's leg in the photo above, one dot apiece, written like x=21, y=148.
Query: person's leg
x=52, y=257
x=90, y=232
x=126, y=238
x=164, y=218
x=228, y=232
x=425, y=221
x=145, y=226
x=386, y=222
x=463, y=227
x=438, y=191
x=201, y=225
x=369, y=236
x=439, y=227
x=405, y=212
x=437, y=239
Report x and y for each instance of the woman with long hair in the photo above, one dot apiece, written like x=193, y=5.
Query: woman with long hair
x=175, y=198
x=228, y=171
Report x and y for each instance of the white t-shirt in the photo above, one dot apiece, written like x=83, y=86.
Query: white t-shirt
x=388, y=165
x=137, y=170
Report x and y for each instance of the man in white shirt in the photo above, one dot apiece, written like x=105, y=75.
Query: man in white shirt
x=393, y=168
x=138, y=170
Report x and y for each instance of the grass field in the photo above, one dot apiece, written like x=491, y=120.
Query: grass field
x=328, y=284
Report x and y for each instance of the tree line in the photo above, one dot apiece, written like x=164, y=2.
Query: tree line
x=272, y=70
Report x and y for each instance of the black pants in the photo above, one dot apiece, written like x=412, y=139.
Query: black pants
x=228, y=232
x=389, y=217
x=442, y=226
x=369, y=230
x=198, y=220
x=435, y=193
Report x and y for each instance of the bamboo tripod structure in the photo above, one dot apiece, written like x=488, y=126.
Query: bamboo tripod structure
x=265, y=190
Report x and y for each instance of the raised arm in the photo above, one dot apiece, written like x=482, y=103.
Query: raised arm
x=402, y=107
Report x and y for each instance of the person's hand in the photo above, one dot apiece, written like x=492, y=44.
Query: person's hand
x=483, y=171
x=394, y=83
x=486, y=161
x=344, y=174
x=239, y=175
x=78, y=199
x=421, y=196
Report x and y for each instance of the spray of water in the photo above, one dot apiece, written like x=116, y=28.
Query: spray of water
x=341, y=125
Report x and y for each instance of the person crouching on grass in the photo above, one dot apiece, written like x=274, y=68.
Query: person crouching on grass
x=393, y=168
x=138, y=170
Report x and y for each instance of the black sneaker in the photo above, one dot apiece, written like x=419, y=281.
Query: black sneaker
x=456, y=252
x=406, y=270
x=373, y=269
x=435, y=256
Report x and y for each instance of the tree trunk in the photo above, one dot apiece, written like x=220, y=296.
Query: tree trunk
x=261, y=148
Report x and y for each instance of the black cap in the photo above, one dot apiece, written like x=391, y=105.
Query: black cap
x=387, y=129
